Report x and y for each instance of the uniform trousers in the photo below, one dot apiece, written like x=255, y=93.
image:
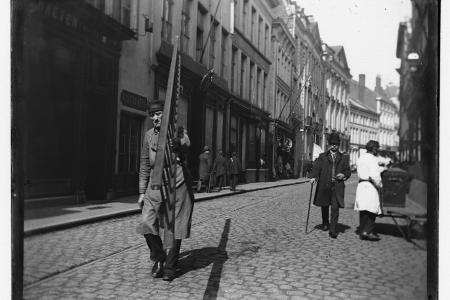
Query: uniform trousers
x=334, y=212
x=157, y=253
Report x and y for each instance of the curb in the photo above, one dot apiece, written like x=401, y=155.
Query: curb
x=89, y=220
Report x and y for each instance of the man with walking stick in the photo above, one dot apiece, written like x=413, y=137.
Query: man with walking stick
x=330, y=170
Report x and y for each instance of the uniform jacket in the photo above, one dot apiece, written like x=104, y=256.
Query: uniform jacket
x=234, y=165
x=220, y=165
x=322, y=168
x=152, y=212
x=204, y=165
x=367, y=197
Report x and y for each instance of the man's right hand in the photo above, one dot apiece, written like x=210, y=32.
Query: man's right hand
x=141, y=200
x=312, y=180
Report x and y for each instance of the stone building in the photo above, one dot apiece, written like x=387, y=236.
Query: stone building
x=308, y=101
x=364, y=126
x=388, y=111
x=418, y=50
x=251, y=89
x=69, y=70
x=337, y=81
x=283, y=49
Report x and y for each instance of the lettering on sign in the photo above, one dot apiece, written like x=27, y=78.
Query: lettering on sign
x=133, y=100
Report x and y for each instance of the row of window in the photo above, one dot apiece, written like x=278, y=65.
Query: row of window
x=362, y=136
x=388, y=108
x=337, y=117
x=251, y=78
x=252, y=25
x=284, y=66
x=337, y=89
x=282, y=108
x=388, y=138
x=117, y=9
x=363, y=120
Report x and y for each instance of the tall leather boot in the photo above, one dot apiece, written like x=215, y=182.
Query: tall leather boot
x=172, y=256
x=157, y=254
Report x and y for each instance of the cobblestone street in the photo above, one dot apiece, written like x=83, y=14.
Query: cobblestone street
x=249, y=246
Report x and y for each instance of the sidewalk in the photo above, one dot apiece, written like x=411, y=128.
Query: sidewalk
x=41, y=220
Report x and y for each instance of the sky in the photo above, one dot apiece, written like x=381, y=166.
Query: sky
x=368, y=31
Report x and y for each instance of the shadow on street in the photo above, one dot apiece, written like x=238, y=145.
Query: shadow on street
x=201, y=258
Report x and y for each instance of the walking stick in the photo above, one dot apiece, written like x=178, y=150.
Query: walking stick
x=309, y=207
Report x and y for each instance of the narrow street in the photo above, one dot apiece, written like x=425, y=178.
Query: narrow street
x=249, y=246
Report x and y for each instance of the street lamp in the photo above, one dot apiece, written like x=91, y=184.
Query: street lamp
x=413, y=60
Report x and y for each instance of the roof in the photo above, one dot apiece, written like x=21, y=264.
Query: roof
x=370, y=97
x=360, y=105
x=336, y=48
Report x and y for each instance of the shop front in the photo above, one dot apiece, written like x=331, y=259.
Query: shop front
x=284, y=149
x=70, y=78
x=248, y=135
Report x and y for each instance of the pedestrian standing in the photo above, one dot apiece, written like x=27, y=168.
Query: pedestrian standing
x=204, y=168
x=164, y=255
x=234, y=169
x=367, y=200
x=330, y=170
x=220, y=169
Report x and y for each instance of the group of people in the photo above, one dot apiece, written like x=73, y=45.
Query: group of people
x=163, y=237
x=330, y=170
x=220, y=169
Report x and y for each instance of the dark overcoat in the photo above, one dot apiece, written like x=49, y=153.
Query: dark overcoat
x=322, y=168
x=234, y=166
x=220, y=165
x=204, y=165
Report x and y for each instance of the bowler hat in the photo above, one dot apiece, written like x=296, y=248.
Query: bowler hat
x=334, y=139
x=155, y=105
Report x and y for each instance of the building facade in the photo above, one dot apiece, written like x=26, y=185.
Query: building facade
x=69, y=86
x=388, y=111
x=364, y=126
x=418, y=50
x=251, y=88
x=337, y=81
x=308, y=107
x=283, y=53
x=267, y=100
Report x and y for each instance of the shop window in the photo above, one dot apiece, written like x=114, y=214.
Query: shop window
x=129, y=142
x=251, y=150
x=209, y=127
x=219, y=130
x=233, y=134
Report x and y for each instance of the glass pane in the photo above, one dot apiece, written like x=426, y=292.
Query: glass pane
x=209, y=126
x=219, y=130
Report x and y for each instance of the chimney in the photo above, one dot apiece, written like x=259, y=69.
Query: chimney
x=361, y=86
x=377, y=82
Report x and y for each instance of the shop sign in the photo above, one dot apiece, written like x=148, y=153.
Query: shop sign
x=133, y=100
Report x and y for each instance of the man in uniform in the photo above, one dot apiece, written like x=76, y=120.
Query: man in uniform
x=165, y=256
x=330, y=169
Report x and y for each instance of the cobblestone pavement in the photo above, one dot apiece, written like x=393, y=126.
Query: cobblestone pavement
x=250, y=246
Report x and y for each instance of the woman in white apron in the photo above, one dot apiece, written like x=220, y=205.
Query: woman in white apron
x=367, y=197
